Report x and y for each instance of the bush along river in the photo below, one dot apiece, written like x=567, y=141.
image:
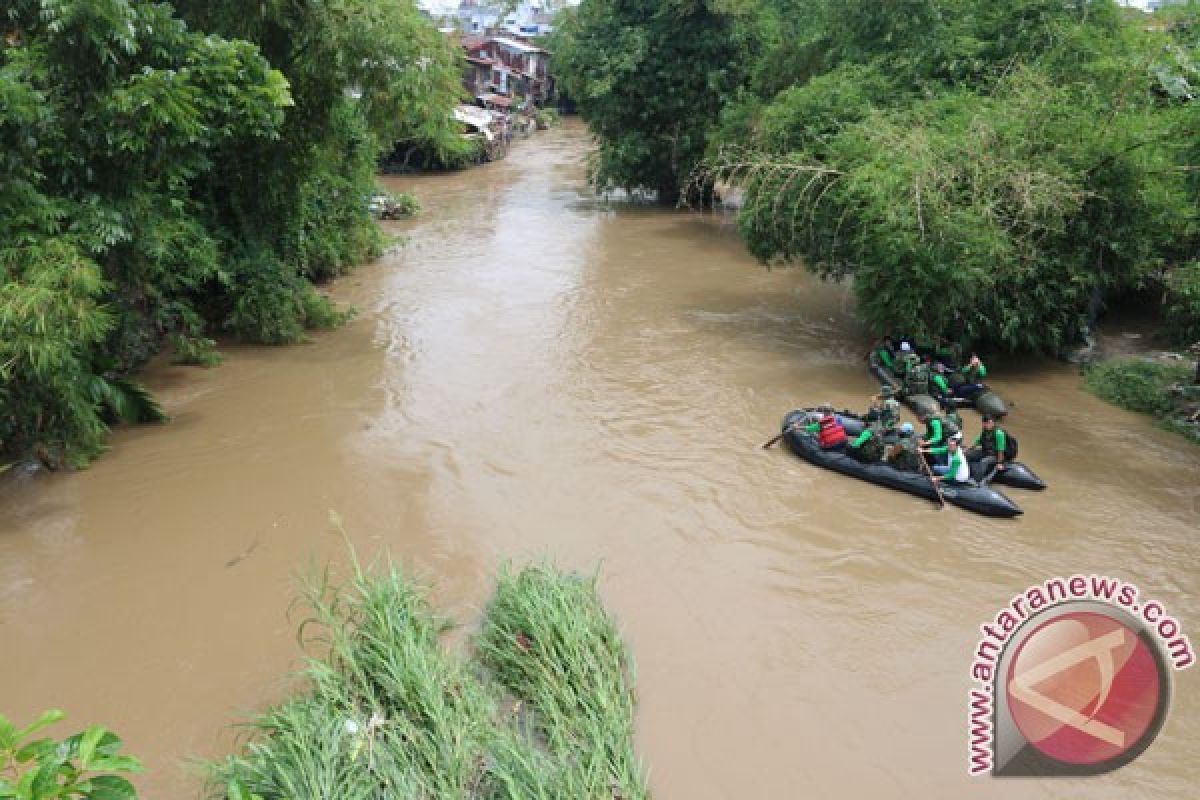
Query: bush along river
x=539, y=372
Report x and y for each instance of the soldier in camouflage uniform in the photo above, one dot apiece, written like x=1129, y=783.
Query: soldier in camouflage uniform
x=903, y=454
x=889, y=415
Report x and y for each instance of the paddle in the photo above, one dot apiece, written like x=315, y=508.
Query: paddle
x=933, y=483
x=798, y=423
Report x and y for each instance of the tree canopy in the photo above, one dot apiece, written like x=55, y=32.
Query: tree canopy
x=988, y=170
x=182, y=173
x=649, y=77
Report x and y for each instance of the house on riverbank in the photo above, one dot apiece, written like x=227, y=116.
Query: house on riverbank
x=507, y=65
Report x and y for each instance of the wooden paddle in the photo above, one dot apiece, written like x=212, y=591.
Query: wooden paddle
x=798, y=423
x=932, y=482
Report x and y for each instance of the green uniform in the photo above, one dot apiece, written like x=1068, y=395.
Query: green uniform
x=868, y=446
x=940, y=384
x=958, y=469
x=935, y=433
x=974, y=374
x=994, y=444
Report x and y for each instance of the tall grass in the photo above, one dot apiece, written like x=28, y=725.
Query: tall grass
x=550, y=643
x=387, y=712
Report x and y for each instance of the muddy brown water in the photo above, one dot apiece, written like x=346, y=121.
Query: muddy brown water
x=538, y=373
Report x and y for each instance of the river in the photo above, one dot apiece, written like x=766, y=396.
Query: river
x=538, y=373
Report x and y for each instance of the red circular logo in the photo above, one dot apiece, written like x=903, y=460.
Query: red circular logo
x=1084, y=688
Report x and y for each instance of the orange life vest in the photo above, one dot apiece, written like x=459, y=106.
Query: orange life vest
x=831, y=432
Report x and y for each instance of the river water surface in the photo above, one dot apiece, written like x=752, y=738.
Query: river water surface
x=539, y=373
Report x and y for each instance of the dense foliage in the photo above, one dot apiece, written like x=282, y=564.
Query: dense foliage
x=167, y=175
x=989, y=170
x=84, y=765
x=546, y=711
x=649, y=77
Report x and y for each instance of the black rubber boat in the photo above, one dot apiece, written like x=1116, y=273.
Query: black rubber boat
x=984, y=401
x=1016, y=474
x=980, y=499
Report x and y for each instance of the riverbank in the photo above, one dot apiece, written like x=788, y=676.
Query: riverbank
x=1166, y=387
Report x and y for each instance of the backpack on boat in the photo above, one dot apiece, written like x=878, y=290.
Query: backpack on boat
x=1010, y=446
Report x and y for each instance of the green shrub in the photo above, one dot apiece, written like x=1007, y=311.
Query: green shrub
x=406, y=204
x=548, y=118
x=1183, y=304
x=195, y=351
x=81, y=766
x=1135, y=384
x=320, y=313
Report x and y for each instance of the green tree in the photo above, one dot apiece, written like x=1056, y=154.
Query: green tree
x=994, y=179
x=650, y=78
x=109, y=112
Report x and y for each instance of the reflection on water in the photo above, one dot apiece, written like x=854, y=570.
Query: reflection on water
x=540, y=372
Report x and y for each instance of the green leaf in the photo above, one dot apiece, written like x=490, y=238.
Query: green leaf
x=39, y=749
x=238, y=791
x=8, y=731
x=47, y=719
x=87, y=745
x=111, y=787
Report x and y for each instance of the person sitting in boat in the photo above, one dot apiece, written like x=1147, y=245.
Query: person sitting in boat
x=939, y=385
x=830, y=433
x=884, y=353
x=916, y=381
x=955, y=469
x=890, y=413
x=947, y=352
x=867, y=447
x=952, y=421
x=972, y=374
x=903, y=454
x=993, y=446
x=908, y=359
x=874, y=410
x=935, y=430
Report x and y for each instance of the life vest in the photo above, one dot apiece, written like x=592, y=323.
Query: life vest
x=831, y=433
